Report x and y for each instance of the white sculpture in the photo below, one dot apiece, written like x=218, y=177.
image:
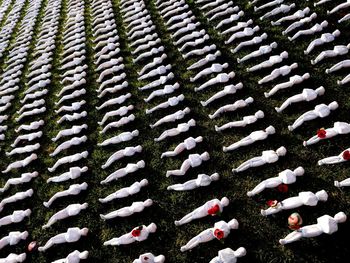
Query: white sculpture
x=220, y=230
x=232, y=107
x=339, y=7
x=73, y=234
x=22, y=163
x=127, y=151
x=14, y=258
x=194, y=160
x=136, y=207
x=188, y=144
x=25, y=178
x=251, y=138
x=115, y=101
x=16, y=217
x=337, y=51
x=344, y=156
x=322, y=134
x=269, y=156
x=13, y=238
x=69, y=159
x=325, y=38
x=139, y=234
x=178, y=115
x=16, y=197
x=212, y=208
x=130, y=168
x=285, y=177
x=299, y=23
x=73, y=189
x=171, y=102
x=158, y=82
x=252, y=42
x=73, y=257
x=228, y=255
x=321, y=2
x=311, y=31
x=320, y=111
x=201, y=181
x=220, y=78
x=266, y=49
x=246, y=32
x=76, y=129
x=325, y=225
x=121, y=111
x=116, y=124
x=150, y=258
x=168, y=89
x=122, y=137
x=156, y=61
x=214, y=68
x=282, y=71
x=27, y=137
x=339, y=66
x=74, y=173
x=278, y=10
x=75, y=141
x=273, y=60
x=181, y=128
x=227, y=90
x=343, y=183
x=269, y=4
x=250, y=119
x=204, y=61
x=230, y=19
x=344, y=80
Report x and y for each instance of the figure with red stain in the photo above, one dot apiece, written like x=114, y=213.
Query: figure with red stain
x=342, y=157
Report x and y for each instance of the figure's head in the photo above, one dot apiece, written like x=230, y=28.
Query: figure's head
x=176, y=85
x=239, y=85
x=34, y=174
x=84, y=186
x=306, y=10
x=131, y=117
x=240, y=13
x=135, y=133
x=270, y=130
x=233, y=224
x=159, y=259
x=181, y=97
x=84, y=231
x=225, y=65
x=336, y=33
x=144, y=182
x=299, y=171
x=85, y=154
x=284, y=55
x=240, y=252
x=231, y=74
x=333, y=105
x=27, y=212
x=148, y=202
x=192, y=122
x=306, y=76
x=348, y=46
x=322, y=195
x=215, y=177
x=84, y=205
x=152, y=228
x=250, y=21
x=187, y=110
x=22, y=257
x=294, y=65
x=205, y=156
x=249, y=100
x=281, y=151
x=25, y=234
x=141, y=164
x=199, y=139
x=320, y=91
x=224, y=201
x=256, y=28
x=313, y=16
x=340, y=217
x=84, y=255
x=138, y=148
x=217, y=53
x=273, y=45
x=292, y=5
x=324, y=24
x=259, y=114
x=30, y=192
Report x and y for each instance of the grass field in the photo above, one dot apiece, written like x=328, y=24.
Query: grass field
x=259, y=235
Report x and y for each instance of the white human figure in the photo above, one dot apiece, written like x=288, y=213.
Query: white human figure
x=25, y=178
x=115, y=101
x=212, y=208
x=171, y=102
x=139, y=234
x=343, y=183
x=116, y=124
x=228, y=255
x=195, y=43
x=76, y=129
x=70, y=210
x=129, y=168
x=344, y=80
x=73, y=173
x=21, y=163
x=136, y=207
x=214, y=68
x=180, y=128
x=204, y=61
x=311, y=31
x=281, y=71
x=34, y=104
x=150, y=258
x=168, y=89
x=27, y=137
x=273, y=60
x=16, y=197
x=125, y=192
x=113, y=89
x=188, y=144
x=303, y=198
x=158, y=82
x=325, y=38
x=325, y=225
x=344, y=156
x=227, y=90
x=230, y=19
x=193, y=160
x=232, y=107
x=238, y=26
x=202, y=180
x=25, y=149
x=344, y=18
x=320, y=111
x=14, y=258
x=73, y=189
x=200, y=51
x=251, y=138
x=122, y=137
x=121, y=111
x=266, y=49
x=339, y=66
x=297, y=15
x=113, y=80
x=246, y=32
x=321, y=2
x=219, y=79
x=110, y=71
x=299, y=23
x=108, y=64
x=188, y=37
x=16, y=217
x=338, y=128
x=156, y=61
x=269, y=156
x=339, y=7
x=73, y=95
x=31, y=113
x=269, y=4
x=73, y=257
x=69, y=159
x=178, y=115
x=72, y=235
x=161, y=70
x=73, y=107
x=282, y=9
x=215, y=14
x=339, y=50
x=305, y=95
x=294, y=80
x=151, y=53
x=250, y=119
x=13, y=238
x=67, y=144
x=220, y=230
x=127, y=151
x=285, y=177
x=252, y=42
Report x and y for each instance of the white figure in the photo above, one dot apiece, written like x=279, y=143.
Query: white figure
x=16, y=217
x=73, y=257
x=20, y=164
x=69, y=159
x=230, y=19
x=161, y=70
x=136, y=207
x=13, y=238
x=344, y=156
x=16, y=197
x=171, y=102
x=251, y=138
x=70, y=210
x=344, y=18
x=250, y=119
x=200, y=51
x=202, y=180
x=325, y=38
x=127, y=151
x=338, y=128
x=252, y=42
x=344, y=80
x=228, y=255
x=115, y=101
x=139, y=234
x=156, y=61
x=269, y=156
x=76, y=129
x=273, y=60
x=74, y=173
x=181, y=128
x=122, y=111
x=27, y=137
x=130, y=168
x=168, y=89
x=282, y=71
x=343, y=183
x=269, y=4
x=194, y=160
x=125, y=192
x=75, y=141
x=73, y=107
x=204, y=61
x=232, y=107
x=278, y=10
x=303, y=198
x=14, y=258
x=321, y=2
x=339, y=66
x=122, y=137
x=246, y=32
x=116, y=124
x=219, y=79
x=339, y=50
x=214, y=68
x=320, y=111
x=297, y=15
x=227, y=90
x=294, y=80
x=305, y=95
x=325, y=225
x=212, y=208
x=25, y=178
x=73, y=189
x=299, y=23
x=339, y=7
x=188, y=144
x=220, y=230
x=311, y=31
x=285, y=177
x=73, y=234
x=266, y=49
x=150, y=258
x=158, y=82
x=178, y=115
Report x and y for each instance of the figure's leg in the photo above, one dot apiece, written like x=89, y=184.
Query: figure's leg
x=292, y=237
x=230, y=125
x=257, y=189
x=271, y=211
x=344, y=18
x=331, y=160
x=113, y=176
x=47, y=245
x=190, y=244
x=312, y=140
x=344, y=80
x=298, y=122
x=343, y=183
x=183, y=169
x=186, y=219
x=216, y=113
x=178, y=149
x=244, y=166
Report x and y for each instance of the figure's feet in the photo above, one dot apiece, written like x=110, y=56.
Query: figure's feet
x=337, y=184
x=290, y=127
x=250, y=194
x=177, y=223
x=319, y=162
x=328, y=71
x=262, y=211
x=282, y=242
x=277, y=109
